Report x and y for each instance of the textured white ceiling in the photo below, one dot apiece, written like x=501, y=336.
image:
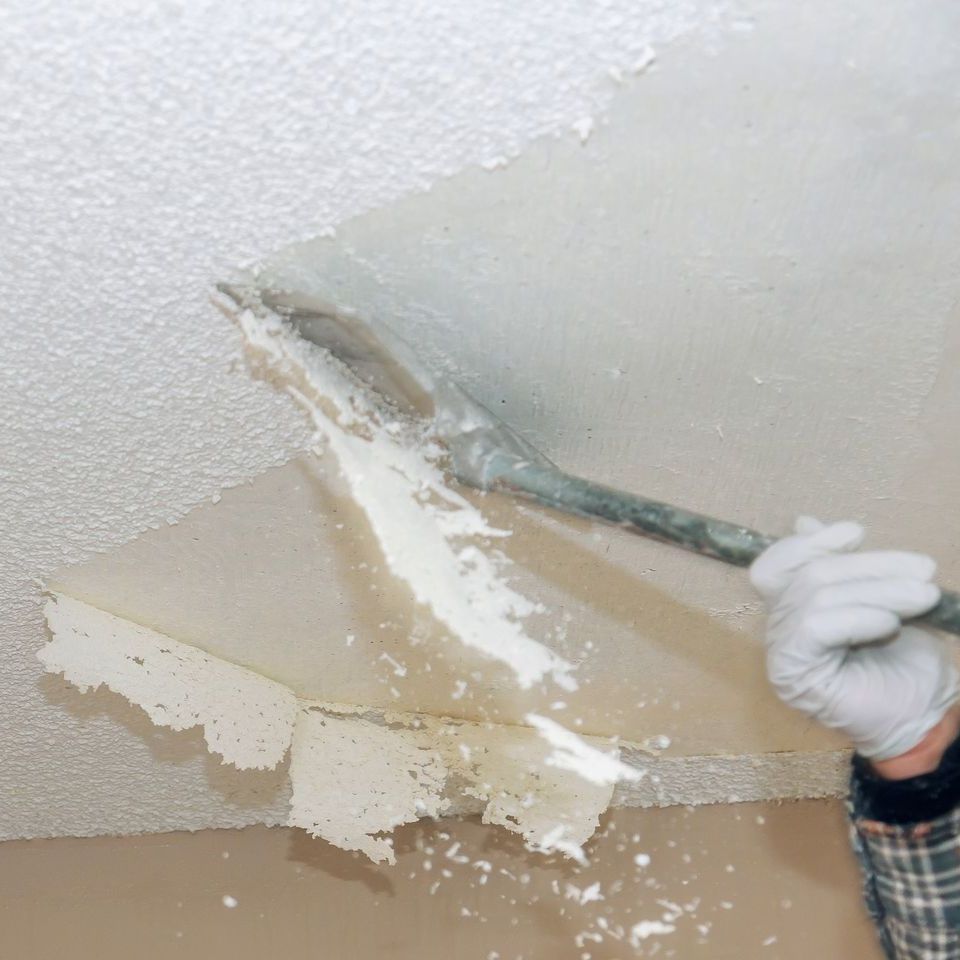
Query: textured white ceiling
x=740, y=295
x=145, y=150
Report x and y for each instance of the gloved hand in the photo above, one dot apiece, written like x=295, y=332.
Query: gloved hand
x=835, y=647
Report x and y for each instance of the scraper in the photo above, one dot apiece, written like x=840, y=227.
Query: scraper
x=487, y=454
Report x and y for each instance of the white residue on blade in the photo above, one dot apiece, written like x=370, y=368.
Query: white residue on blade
x=416, y=516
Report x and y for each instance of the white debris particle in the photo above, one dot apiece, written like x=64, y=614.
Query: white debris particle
x=350, y=639
x=555, y=840
x=399, y=669
x=589, y=894
x=648, y=928
x=575, y=754
x=459, y=689
x=642, y=859
x=229, y=902
x=769, y=942
x=583, y=128
x=644, y=61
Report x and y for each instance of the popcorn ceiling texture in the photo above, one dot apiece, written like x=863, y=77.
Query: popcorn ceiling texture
x=144, y=151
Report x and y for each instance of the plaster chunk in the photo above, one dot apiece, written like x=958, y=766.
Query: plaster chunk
x=509, y=769
x=354, y=780
x=247, y=719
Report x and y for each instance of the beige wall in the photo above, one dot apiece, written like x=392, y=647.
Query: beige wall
x=781, y=889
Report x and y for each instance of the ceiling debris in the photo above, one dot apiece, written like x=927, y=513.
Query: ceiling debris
x=247, y=719
x=432, y=538
x=354, y=780
x=356, y=773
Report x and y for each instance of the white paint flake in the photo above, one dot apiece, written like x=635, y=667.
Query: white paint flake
x=508, y=768
x=648, y=928
x=572, y=752
x=353, y=780
x=583, y=128
x=247, y=719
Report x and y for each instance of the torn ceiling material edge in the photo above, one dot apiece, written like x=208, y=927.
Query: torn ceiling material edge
x=180, y=686
x=355, y=774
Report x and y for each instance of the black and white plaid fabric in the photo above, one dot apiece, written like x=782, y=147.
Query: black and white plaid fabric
x=911, y=877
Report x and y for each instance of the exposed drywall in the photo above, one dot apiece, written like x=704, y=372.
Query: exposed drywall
x=739, y=294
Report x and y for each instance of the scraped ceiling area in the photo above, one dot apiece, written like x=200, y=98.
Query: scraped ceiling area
x=699, y=251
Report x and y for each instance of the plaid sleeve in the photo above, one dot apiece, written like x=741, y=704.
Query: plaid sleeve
x=906, y=835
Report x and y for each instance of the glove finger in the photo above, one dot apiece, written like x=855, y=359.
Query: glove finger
x=906, y=598
x=804, y=525
x=826, y=630
x=873, y=565
x=773, y=569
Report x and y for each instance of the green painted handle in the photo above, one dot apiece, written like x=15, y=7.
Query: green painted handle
x=728, y=542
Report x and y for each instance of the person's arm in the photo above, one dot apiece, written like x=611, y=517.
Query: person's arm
x=836, y=651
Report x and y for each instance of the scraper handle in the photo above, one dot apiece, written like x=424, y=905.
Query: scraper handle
x=728, y=542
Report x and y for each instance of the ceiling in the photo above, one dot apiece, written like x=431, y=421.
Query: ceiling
x=737, y=293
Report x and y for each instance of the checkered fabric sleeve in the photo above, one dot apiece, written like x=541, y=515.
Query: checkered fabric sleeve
x=906, y=835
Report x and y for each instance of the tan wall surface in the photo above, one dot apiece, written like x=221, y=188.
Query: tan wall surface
x=764, y=881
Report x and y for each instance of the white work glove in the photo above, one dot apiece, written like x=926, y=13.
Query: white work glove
x=835, y=647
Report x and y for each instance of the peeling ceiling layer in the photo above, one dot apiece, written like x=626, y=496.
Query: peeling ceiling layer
x=145, y=150
x=736, y=291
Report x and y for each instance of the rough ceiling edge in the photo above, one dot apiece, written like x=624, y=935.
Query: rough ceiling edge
x=665, y=780
x=670, y=781
x=738, y=778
